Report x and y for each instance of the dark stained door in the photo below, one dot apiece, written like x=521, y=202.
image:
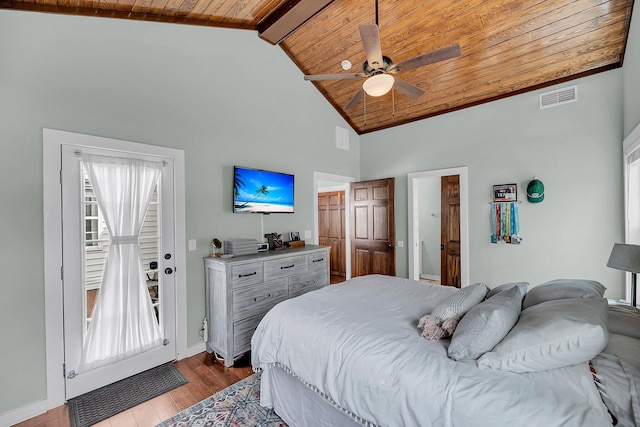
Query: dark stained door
x=373, y=228
x=450, y=231
x=331, y=229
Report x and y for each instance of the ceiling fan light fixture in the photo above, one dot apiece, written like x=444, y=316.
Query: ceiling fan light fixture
x=378, y=85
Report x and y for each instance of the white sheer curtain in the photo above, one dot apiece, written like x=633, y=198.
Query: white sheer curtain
x=123, y=322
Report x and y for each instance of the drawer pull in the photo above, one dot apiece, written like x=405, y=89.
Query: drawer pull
x=248, y=275
x=287, y=266
x=262, y=298
x=318, y=260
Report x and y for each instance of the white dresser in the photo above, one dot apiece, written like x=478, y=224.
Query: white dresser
x=240, y=291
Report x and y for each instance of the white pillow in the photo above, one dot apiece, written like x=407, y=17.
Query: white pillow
x=551, y=335
x=486, y=324
x=563, y=288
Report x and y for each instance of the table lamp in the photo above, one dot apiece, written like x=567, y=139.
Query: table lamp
x=626, y=258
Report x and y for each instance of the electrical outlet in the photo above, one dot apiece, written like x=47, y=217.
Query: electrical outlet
x=192, y=244
x=307, y=234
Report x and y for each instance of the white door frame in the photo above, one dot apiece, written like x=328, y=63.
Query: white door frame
x=414, y=219
x=345, y=181
x=52, y=141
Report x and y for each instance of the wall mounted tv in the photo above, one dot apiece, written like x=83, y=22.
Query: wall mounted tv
x=261, y=191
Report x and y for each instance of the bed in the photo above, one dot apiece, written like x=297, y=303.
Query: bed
x=352, y=354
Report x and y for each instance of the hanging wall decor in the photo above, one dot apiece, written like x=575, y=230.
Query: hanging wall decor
x=505, y=223
x=505, y=193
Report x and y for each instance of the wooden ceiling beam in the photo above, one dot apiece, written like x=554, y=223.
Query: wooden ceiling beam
x=288, y=17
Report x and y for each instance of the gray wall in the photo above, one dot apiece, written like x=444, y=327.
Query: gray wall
x=575, y=149
x=225, y=97
x=429, y=225
x=631, y=70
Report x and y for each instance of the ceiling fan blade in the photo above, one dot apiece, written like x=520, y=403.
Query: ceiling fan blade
x=371, y=41
x=333, y=76
x=448, y=52
x=355, y=100
x=407, y=88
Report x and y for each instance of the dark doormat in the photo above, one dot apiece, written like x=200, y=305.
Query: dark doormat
x=97, y=405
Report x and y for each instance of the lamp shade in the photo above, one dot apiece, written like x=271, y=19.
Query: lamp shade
x=378, y=85
x=625, y=257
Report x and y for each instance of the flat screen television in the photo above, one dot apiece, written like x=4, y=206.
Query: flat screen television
x=261, y=191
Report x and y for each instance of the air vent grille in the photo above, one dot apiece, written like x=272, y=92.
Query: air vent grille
x=559, y=97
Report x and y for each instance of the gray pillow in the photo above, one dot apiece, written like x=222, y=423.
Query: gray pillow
x=457, y=304
x=624, y=320
x=520, y=285
x=486, y=324
x=561, y=289
x=552, y=335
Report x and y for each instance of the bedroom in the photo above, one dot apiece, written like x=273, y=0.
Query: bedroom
x=137, y=81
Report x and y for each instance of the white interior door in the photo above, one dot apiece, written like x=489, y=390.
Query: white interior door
x=85, y=242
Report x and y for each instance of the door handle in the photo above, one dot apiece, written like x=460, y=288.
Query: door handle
x=168, y=270
x=391, y=246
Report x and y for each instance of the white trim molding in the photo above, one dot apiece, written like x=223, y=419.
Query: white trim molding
x=52, y=142
x=413, y=220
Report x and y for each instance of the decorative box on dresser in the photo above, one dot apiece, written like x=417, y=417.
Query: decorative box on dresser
x=240, y=290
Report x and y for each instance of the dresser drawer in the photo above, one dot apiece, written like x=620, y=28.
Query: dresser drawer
x=303, y=283
x=247, y=274
x=285, y=267
x=317, y=260
x=259, y=298
x=243, y=331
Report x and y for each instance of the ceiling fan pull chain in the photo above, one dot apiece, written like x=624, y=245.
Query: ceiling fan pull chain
x=393, y=101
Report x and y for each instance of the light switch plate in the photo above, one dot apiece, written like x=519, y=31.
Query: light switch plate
x=192, y=244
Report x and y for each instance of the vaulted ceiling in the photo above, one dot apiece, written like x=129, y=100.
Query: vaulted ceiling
x=506, y=46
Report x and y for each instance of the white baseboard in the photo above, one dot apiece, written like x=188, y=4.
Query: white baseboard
x=193, y=350
x=429, y=277
x=23, y=413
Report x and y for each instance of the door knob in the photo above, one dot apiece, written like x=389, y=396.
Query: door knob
x=168, y=270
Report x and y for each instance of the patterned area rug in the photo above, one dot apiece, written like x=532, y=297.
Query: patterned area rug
x=97, y=405
x=236, y=405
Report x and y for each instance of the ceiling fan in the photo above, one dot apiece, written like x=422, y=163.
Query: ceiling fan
x=378, y=69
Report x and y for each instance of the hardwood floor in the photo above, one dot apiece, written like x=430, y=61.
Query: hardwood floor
x=206, y=377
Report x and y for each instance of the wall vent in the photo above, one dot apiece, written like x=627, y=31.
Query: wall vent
x=559, y=97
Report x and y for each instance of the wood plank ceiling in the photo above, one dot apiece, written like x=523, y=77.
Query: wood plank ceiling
x=508, y=47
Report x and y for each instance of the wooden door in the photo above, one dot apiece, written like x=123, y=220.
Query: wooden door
x=373, y=228
x=331, y=229
x=450, y=231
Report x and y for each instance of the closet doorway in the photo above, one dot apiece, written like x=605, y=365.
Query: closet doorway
x=438, y=226
x=331, y=204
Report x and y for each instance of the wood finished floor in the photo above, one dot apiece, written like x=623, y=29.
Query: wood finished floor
x=206, y=377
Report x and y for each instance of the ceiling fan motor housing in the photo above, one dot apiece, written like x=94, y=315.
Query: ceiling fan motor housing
x=370, y=70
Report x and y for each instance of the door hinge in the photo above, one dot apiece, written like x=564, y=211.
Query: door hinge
x=60, y=176
x=72, y=374
x=62, y=272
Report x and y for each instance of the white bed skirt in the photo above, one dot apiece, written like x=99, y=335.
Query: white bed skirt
x=296, y=404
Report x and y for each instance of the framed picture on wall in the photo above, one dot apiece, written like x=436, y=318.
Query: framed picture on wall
x=505, y=193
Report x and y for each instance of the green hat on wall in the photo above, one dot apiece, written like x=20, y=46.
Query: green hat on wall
x=535, y=191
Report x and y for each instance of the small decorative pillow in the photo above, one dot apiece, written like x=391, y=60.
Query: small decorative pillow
x=486, y=324
x=551, y=335
x=563, y=288
x=444, y=318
